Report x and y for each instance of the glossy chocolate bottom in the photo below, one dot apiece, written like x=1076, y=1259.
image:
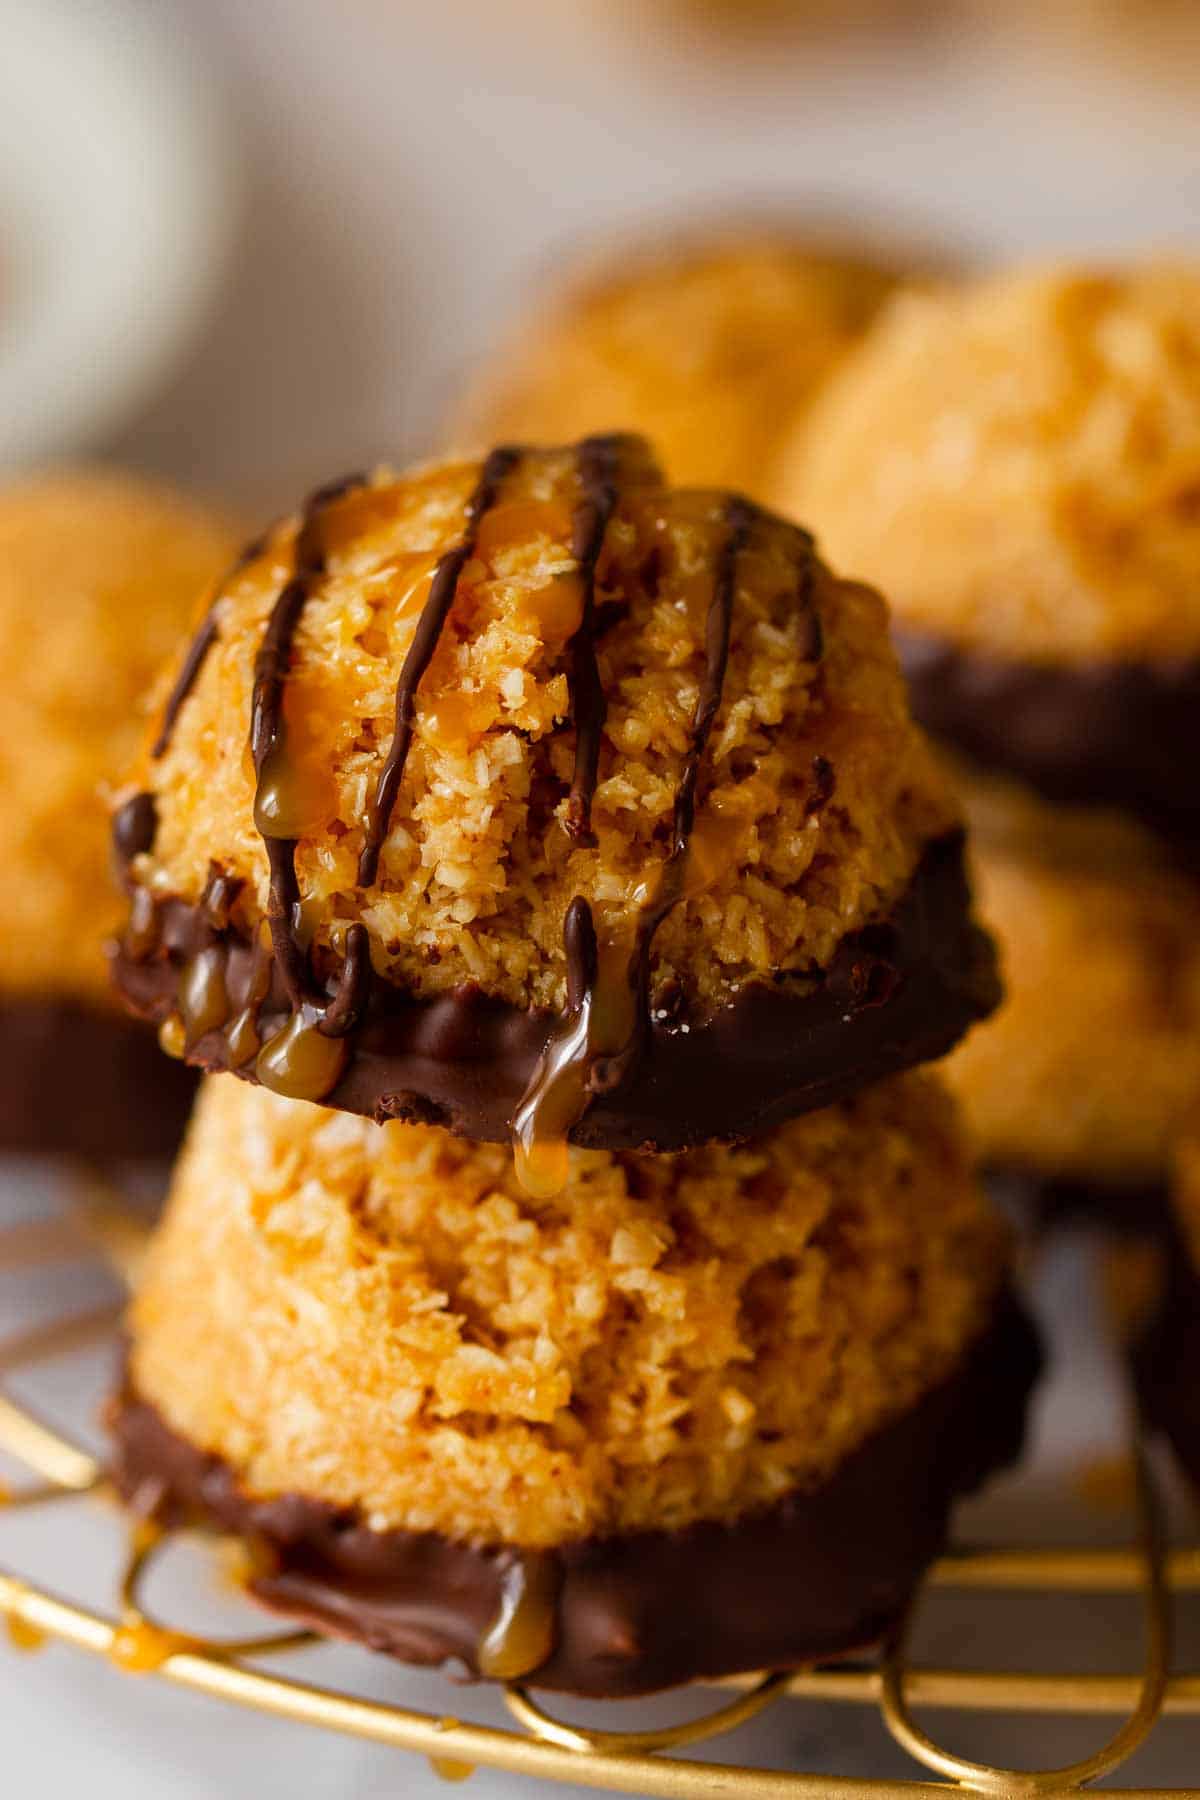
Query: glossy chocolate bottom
x=1093, y=733
x=1040, y=1202
x=898, y=993
x=87, y=1083
x=820, y=1574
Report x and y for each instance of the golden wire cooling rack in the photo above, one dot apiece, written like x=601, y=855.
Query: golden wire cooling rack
x=62, y=1474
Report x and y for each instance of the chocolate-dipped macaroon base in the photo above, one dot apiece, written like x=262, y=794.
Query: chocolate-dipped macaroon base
x=83, y=1082
x=818, y=1575
x=1121, y=735
x=897, y=994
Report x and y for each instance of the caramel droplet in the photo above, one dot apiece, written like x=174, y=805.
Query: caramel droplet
x=24, y=1636
x=203, y=1000
x=172, y=1035
x=299, y=1062
x=521, y=1636
x=5, y=1494
x=141, y=932
x=242, y=1040
x=450, y=1769
x=543, y=1164
x=557, y=1096
x=140, y=1648
x=286, y=804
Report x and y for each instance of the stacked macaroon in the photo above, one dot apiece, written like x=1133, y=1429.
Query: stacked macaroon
x=577, y=1287
x=1019, y=463
x=98, y=578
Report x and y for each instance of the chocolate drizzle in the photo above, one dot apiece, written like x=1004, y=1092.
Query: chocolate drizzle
x=598, y=462
x=740, y=517
x=425, y=640
x=198, y=651
x=293, y=1061
x=267, y=735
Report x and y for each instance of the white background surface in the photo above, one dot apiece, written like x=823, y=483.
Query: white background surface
x=406, y=170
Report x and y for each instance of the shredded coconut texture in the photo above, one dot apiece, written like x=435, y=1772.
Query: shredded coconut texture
x=379, y=1317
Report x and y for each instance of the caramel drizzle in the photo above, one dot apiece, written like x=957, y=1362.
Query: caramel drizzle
x=200, y=646
x=598, y=464
x=335, y=1017
x=425, y=641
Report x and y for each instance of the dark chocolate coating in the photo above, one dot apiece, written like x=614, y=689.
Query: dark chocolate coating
x=83, y=1082
x=1166, y=1359
x=821, y=1573
x=1040, y=1200
x=897, y=993
x=1103, y=733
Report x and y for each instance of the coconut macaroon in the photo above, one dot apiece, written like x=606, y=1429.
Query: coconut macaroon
x=713, y=342
x=1020, y=461
x=1082, y=1082
x=536, y=795
x=638, y=1433
x=99, y=575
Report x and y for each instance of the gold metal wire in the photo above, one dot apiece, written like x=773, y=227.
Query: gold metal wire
x=634, y=1762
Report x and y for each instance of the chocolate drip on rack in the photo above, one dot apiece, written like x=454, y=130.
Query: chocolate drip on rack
x=598, y=462
x=425, y=641
x=201, y=644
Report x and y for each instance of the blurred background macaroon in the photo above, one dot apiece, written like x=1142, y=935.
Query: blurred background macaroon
x=1017, y=464
x=99, y=577
x=712, y=341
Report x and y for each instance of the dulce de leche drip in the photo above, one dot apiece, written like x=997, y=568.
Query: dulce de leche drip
x=521, y=1636
x=608, y=980
x=288, y=1002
